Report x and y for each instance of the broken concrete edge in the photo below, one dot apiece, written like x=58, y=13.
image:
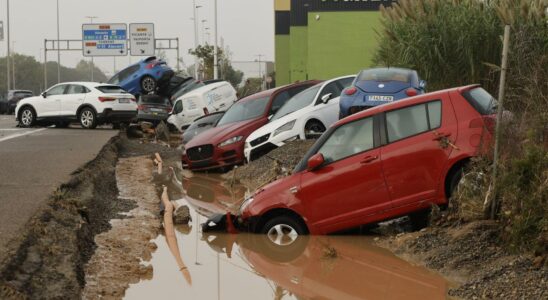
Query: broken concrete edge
x=49, y=256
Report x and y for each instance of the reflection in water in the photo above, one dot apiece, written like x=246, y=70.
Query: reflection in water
x=247, y=266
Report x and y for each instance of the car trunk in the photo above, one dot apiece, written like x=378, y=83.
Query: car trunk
x=381, y=87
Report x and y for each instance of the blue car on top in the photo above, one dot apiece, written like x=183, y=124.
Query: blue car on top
x=143, y=77
x=378, y=86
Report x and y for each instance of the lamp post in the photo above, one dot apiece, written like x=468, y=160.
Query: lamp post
x=8, y=54
x=92, y=66
x=13, y=65
x=260, y=68
x=203, y=30
x=215, y=58
x=58, y=48
x=195, y=10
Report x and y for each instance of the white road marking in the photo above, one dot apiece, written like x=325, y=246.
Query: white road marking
x=9, y=137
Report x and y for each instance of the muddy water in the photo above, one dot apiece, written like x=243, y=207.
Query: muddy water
x=247, y=266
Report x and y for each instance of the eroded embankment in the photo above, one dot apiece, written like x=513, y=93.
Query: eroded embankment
x=117, y=261
x=58, y=241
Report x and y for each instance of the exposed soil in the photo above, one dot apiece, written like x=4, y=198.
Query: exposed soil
x=117, y=261
x=276, y=164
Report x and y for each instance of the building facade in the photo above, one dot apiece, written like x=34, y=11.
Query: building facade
x=322, y=39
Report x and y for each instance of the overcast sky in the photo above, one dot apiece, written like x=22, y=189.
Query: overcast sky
x=247, y=26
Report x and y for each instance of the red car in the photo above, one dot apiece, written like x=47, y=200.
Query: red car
x=382, y=163
x=223, y=146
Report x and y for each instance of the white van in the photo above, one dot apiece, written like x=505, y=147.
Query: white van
x=201, y=101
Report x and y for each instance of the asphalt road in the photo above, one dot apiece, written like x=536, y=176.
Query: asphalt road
x=33, y=163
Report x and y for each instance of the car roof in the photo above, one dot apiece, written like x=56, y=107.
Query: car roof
x=279, y=89
x=88, y=83
x=203, y=89
x=401, y=103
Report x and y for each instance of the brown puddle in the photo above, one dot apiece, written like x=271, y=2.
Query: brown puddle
x=248, y=266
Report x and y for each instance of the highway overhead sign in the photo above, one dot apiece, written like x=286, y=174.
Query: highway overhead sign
x=141, y=39
x=104, y=39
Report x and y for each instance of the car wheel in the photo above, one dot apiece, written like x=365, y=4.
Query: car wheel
x=27, y=117
x=285, y=238
x=313, y=129
x=148, y=84
x=88, y=118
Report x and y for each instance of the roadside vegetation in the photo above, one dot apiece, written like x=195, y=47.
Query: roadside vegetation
x=459, y=42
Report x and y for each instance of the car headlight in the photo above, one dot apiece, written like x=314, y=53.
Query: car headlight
x=286, y=127
x=231, y=141
x=245, y=204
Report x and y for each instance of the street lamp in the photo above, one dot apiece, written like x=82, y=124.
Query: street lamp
x=215, y=58
x=58, y=48
x=195, y=11
x=260, y=68
x=8, y=46
x=13, y=65
x=92, y=66
x=203, y=29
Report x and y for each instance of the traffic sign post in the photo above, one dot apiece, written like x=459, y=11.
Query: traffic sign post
x=104, y=39
x=141, y=39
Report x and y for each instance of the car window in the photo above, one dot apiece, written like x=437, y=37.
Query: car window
x=385, y=75
x=153, y=99
x=57, y=90
x=406, y=122
x=178, y=107
x=348, y=139
x=434, y=114
x=111, y=89
x=299, y=101
x=76, y=89
x=22, y=94
x=481, y=100
x=331, y=88
x=245, y=110
x=190, y=87
x=279, y=101
x=114, y=80
x=345, y=82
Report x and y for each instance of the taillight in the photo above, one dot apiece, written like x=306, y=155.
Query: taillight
x=411, y=92
x=133, y=99
x=485, y=121
x=350, y=91
x=150, y=66
x=206, y=112
x=107, y=99
x=140, y=107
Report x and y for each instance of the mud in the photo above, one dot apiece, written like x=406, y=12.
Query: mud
x=121, y=251
x=58, y=241
x=472, y=257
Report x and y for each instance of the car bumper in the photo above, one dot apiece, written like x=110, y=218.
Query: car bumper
x=109, y=115
x=254, y=152
x=227, y=156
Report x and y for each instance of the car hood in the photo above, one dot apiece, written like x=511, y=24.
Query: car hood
x=382, y=87
x=221, y=133
x=30, y=100
x=271, y=126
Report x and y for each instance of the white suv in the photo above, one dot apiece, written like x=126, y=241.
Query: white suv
x=90, y=103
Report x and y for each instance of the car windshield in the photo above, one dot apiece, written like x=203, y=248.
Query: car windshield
x=22, y=94
x=299, y=101
x=111, y=89
x=154, y=100
x=384, y=75
x=244, y=110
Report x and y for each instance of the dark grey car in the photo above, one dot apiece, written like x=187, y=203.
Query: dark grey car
x=153, y=108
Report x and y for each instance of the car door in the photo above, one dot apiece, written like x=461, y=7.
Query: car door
x=328, y=112
x=417, y=149
x=51, y=104
x=350, y=186
x=176, y=117
x=74, y=96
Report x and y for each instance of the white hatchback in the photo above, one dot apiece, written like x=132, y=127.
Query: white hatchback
x=89, y=103
x=306, y=115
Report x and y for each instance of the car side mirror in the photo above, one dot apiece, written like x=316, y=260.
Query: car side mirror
x=315, y=162
x=270, y=116
x=325, y=98
x=422, y=85
x=44, y=95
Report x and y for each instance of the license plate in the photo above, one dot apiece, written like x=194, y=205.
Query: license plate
x=123, y=100
x=380, y=98
x=156, y=109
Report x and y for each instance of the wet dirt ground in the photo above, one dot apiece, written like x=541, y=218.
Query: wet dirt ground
x=248, y=266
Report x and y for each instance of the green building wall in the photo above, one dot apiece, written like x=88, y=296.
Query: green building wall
x=340, y=43
x=335, y=44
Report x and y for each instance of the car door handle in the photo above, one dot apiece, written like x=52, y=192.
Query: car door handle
x=368, y=159
x=441, y=135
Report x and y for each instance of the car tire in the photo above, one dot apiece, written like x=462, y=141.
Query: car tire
x=456, y=176
x=27, y=117
x=313, y=128
x=88, y=118
x=290, y=244
x=148, y=84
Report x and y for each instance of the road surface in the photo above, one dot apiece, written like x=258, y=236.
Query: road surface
x=33, y=163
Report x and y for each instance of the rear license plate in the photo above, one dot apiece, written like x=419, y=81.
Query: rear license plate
x=156, y=109
x=123, y=100
x=380, y=98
